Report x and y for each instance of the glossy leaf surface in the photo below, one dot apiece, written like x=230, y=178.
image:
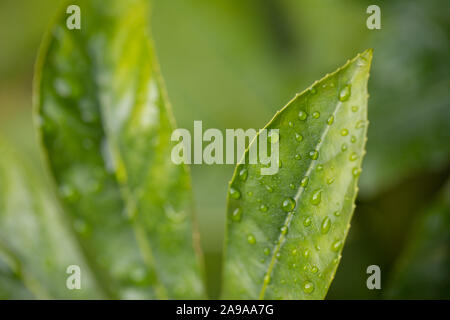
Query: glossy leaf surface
x=285, y=232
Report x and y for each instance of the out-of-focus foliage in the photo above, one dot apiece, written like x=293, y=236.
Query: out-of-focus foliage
x=231, y=63
x=104, y=122
x=285, y=232
x=423, y=269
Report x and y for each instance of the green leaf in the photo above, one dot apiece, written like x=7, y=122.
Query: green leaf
x=422, y=269
x=105, y=125
x=285, y=232
x=36, y=246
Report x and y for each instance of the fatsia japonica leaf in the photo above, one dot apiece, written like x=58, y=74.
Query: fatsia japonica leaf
x=105, y=124
x=285, y=232
x=36, y=244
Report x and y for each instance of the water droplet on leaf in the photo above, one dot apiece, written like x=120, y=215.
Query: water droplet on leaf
x=237, y=215
x=308, y=287
x=234, y=193
x=313, y=154
x=316, y=197
x=288, y=204
x=302, y=115
x=345, y=93
x=243, y=174
x=307, y=222
x=326, y=224
x=304, y=182
x=330, y=120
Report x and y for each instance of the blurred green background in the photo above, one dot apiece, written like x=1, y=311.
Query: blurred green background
x=234, y=63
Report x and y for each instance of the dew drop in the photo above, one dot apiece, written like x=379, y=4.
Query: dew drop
x=313, y=154
x=294, y=252
x=353, y=139
x=353, y=156
x=302, y=115
x=307, y=222
x=319, y=167
x=269, y=188
x=234, y=193
x=266, y=251
x=344, y=132
x=326, y=224
x=290, y=124
x=267, y=279
x=243, y=174
x=292, y=186
x=251, y=239
x=304, y=182
x=263, y=208
x=298, y=137
x=337, y=213
x=336, y=245
x=284, y=230
x=306, y=253
x=236, y=215
x=356, y=172
x=308, y=287
x=330, y=120
x=297, y=157
x=313, y=90
x=316, y=115
x=330, y=180
x=359, y=124
x=345, y=93
x=344, y=147
x=288, y=204
x=316, y=197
